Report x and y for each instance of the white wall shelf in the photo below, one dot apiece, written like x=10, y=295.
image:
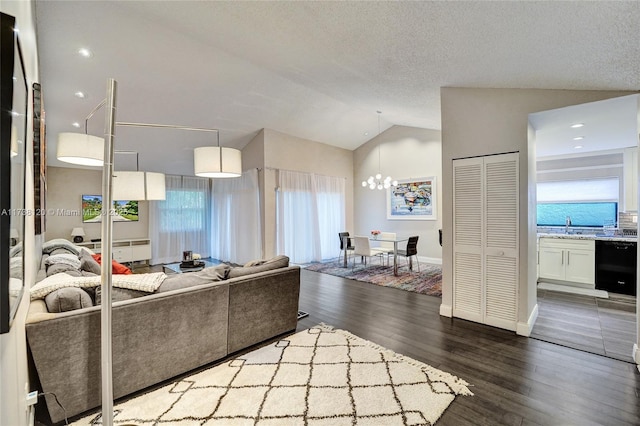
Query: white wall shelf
x=124, y=251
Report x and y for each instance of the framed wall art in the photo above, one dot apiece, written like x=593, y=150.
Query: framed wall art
x=413, y=199
x=39, y=160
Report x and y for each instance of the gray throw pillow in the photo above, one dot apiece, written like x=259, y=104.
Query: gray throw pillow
x=61, y=250
x=68, y=259
x=57, y=243
x=88, y=263
x=276, y=262
x=67, y=299
x=190, y=279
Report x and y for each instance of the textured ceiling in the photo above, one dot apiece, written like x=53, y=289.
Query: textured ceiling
x=316, y=70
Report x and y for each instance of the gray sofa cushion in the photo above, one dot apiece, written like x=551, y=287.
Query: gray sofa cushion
x=67, y=299
x=190, y=279
x=277, y=262
x=62, y=267
x=118, y=294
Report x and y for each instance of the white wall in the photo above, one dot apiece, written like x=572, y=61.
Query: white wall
x=478, y=122
x=405, y=153
x=14, y=378
x=65, y=187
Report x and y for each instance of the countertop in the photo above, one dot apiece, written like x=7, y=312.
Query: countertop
x=586, y=237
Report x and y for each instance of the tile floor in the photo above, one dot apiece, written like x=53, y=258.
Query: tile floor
x=602, y=326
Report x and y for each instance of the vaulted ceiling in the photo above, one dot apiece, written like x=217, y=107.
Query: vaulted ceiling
x=315, y=70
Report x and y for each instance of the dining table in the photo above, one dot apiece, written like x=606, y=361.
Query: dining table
x=395, y=242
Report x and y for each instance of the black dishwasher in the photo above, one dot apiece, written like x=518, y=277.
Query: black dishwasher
x=616, y=266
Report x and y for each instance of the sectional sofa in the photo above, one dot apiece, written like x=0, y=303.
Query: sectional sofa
x=190, y=321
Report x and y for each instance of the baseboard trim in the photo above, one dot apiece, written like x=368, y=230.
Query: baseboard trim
x=524, y=329
x=432, y=260
x=543, y=285
x=446, y=310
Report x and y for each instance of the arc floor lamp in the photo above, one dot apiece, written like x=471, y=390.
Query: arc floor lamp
x=219, y=162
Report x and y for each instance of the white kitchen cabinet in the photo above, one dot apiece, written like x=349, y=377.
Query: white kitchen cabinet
x=567, y=260
x=551, y=263
x=630, y=203
x=485, y=246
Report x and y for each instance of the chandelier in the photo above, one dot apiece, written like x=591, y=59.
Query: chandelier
x=376, y=182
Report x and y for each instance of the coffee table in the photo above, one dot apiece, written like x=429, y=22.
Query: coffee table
x=175, y=268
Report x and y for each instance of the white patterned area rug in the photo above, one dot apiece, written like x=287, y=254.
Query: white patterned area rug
x=316, y=377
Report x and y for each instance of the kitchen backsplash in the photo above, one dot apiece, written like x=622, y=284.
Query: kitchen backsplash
x=625, y=220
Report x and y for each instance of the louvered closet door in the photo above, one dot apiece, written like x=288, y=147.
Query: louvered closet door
x=467, y=239
x=485, y=240
x=501, y=240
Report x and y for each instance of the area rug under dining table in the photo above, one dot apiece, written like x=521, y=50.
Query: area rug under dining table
x=320, y=376
x=427, y=281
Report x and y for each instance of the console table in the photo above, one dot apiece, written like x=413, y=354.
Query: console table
x=124, y=251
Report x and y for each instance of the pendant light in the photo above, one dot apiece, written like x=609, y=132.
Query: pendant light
x=137, y=185
x=217, y=161
x=78, y=148
x=376, y=182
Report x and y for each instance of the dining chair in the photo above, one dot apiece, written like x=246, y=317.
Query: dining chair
x=386, y=247
x=411, y=250
x=363, y=249
x=345, y=243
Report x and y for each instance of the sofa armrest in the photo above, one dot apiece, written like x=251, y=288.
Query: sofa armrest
x=262, y=306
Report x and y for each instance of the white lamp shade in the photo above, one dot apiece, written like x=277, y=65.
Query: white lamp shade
x=207, y=162
x=128, y=186
x=77, y=232
x=155, y=186
x=77, y=148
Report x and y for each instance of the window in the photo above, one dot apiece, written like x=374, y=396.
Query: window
x=581, y=214
x=183, y=210
x=310, y=214
x=182, y=221
x=589, y=202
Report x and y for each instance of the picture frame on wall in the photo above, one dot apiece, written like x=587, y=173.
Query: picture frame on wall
x=413, y=199
x=39, y=160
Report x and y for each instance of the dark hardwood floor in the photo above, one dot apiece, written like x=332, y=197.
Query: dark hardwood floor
x=516, y=380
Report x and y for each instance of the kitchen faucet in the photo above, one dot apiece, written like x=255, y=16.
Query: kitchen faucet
x=567, y=224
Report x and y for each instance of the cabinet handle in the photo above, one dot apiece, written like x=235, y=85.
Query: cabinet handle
x=568, y=257
x=562, y=262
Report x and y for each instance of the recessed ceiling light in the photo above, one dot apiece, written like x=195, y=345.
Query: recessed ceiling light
x=84, y=52
x=577, y=125
x=75, y=124
x=577, y=147
x=366, y=133
x=80, y=95
x=578, y=138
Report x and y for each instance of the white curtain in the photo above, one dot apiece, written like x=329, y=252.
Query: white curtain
x=236, y=232
x=311, y=213
x=182, y=221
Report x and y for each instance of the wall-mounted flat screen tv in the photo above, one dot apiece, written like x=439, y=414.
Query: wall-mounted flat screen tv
x=121, y=210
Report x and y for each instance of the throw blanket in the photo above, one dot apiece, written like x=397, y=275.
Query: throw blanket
x=141, y=282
